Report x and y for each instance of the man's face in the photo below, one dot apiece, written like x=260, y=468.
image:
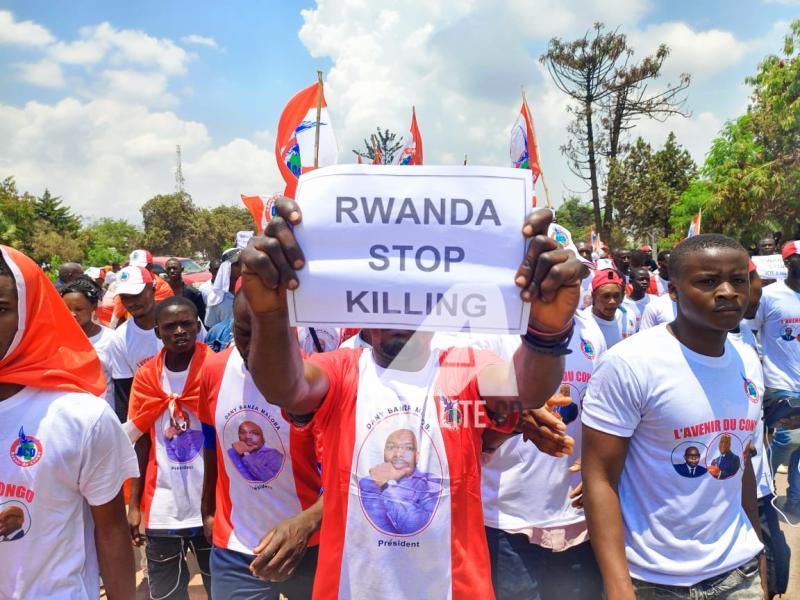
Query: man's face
x=648, y=254
x=11, y=519
x=9, y=318
x=606, y=299
x=177, y=327
x=251, y=434
x=141, y=304
x=663, y=265
x=724, y=445
x=713, y=288
x=755, y=296
x=401, y=450
x=793, y=265
x=584, y=249
x=622, y=258
x=390, y=342
x=766, y=246
x=174, y=269
x=640, y=279
x=692, y=456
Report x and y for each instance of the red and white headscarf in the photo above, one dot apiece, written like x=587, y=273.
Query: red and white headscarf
x=49, y=350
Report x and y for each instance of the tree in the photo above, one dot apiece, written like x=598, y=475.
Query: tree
x=17, y=216
x=387, y=143
x=110, y=240
x=49, y=246
x=168, y=222
x=751, y=176
x=575, y=216
x=645, y=185
x=214, y=229
x=51, y=210
x=610, y=93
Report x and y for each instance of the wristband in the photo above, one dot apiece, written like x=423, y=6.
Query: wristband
x=552, y=347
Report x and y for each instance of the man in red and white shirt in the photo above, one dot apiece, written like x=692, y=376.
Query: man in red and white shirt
x=401, y=426
x=261, y=477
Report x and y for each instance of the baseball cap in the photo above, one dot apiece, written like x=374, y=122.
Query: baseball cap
x=140, y=258
x=790, y=248
x=605, y=276
x=645, y=248
x=131, y=280
x=751, y=266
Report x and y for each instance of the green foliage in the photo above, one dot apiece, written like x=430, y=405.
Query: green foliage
x=17, y=216
x=110, y=240
x=386, y=141
x=645, y=185
x=214, y=230
x=752, y=172
x=576, y=216
x=168, y=224
x=51, y=210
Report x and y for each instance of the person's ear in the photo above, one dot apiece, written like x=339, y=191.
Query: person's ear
x=158, y=333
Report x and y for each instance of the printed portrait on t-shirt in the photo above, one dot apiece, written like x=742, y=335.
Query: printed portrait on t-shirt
x=788, y=335
x=254, y=446
x=399, y=478
x=14, y=521
x=687, y=458
x=183, y=439
x=723, y=458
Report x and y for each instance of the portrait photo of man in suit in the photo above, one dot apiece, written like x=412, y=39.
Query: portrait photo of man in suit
x=691, y=466
x=727, y=463
x=12, y=524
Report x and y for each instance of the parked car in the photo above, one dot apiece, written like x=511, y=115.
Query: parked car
x=193, y=274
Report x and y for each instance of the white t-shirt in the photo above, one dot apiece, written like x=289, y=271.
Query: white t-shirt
x=522, y=487
x=637, y=307
x=683, y=523
x=662, y=285
x=131, y=348
x=623, y=325
x=661, y=310
x=175, y=469
x=62, y=452
x=586, y=291
x=102, y=342
x=778, y=323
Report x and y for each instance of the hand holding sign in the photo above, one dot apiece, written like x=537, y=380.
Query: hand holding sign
x=549, y=277
x=269, y=261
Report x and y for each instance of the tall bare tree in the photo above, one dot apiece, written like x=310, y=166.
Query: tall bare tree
x=610, y=93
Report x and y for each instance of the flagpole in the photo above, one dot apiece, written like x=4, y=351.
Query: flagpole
x=533, y=128
x=319, y=116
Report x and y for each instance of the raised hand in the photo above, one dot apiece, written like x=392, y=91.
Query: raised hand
x=549, y=277
x=270, y=261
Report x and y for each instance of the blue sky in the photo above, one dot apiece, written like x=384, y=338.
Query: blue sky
x=96, y=95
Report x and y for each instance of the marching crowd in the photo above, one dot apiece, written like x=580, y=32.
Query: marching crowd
x=620, y=448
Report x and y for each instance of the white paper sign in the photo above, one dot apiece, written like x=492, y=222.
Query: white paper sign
x=423, y=247
x=770, y=266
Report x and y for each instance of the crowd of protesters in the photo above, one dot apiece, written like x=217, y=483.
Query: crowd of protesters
x=143, y=419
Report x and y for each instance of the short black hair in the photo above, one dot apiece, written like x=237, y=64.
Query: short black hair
x=638, y=258
x=5, y=270
x=699, y=243
x=663, y=254
x=179, y=301
x=82, y=285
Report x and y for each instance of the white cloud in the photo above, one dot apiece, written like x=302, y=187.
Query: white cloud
x=700, y=53
x=44, y=73
x=23, y=33
x=134, y=86
x=200, y=40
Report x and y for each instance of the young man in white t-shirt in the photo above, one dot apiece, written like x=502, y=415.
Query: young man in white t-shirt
x=661, y=310
x=615, y=320
x=64, y=456
x=636, y=302
x=538, y=541
x=164, y=423
x=670, y=400
x=135, y=341
x=401, y=426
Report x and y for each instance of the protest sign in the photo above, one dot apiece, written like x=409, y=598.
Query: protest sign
x=429, y=248
x=770, y=267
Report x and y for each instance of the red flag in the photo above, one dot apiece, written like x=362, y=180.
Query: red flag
x=361, y=162
x=411, y=154
x=524, y=150
x=294, y=142
x=694, y=227
x=377, y=157
x=262, y=211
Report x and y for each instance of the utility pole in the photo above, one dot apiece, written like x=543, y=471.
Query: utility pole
x=179, y=180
